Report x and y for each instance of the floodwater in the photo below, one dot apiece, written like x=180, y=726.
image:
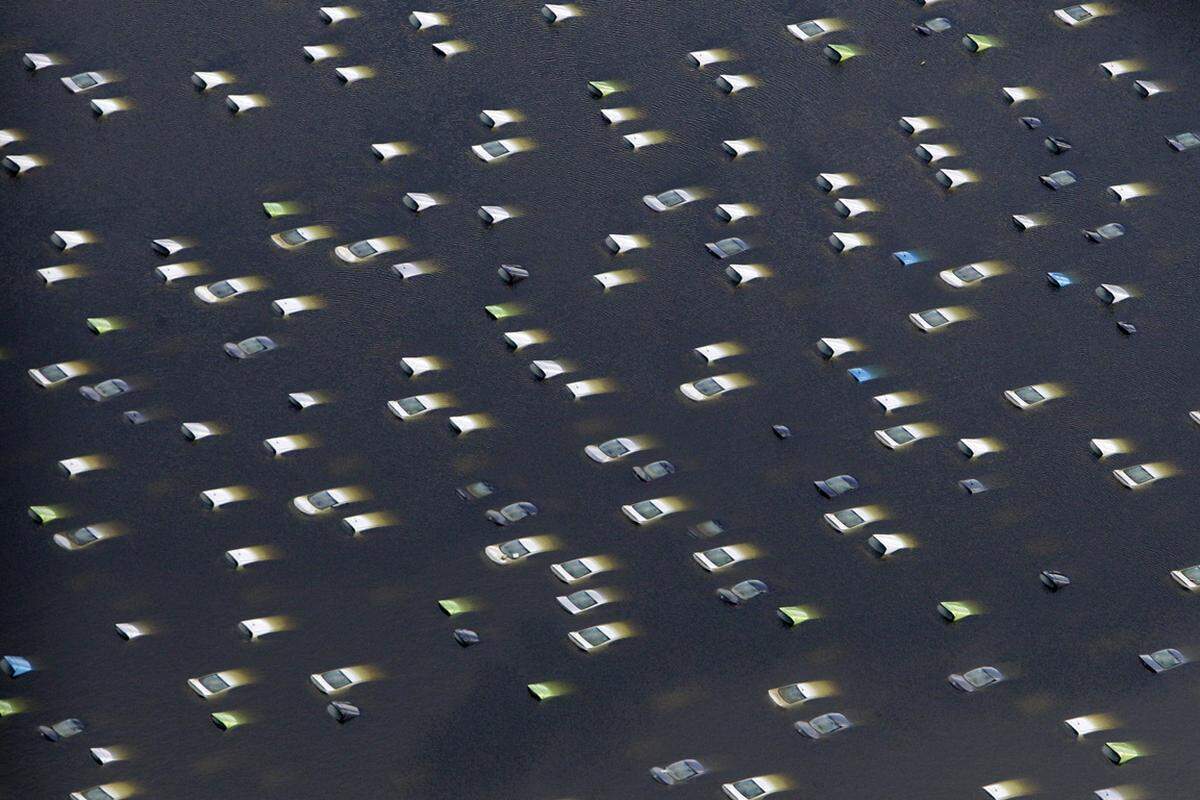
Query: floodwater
x=440, y=721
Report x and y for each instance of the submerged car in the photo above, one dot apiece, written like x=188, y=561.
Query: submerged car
x=849, y=519
x=966, y=275
x=223, y=290
x=1188, y=577
x=719, y=558
x=248, y=348
x=85, y=81
x=1111, y=230
x=1026, y=396
x=513, y=512
x=672, y=198
x=595, y=637
x=897, y=436
x=297, y=237
x=475, y=490
x=495, y=150
x=1138, y=475
x=212, y=684
x=724, y=248
x=363, y=250
x=409, y=407
x=646, y=510
x=654, y=470
x=578, y=568
x=706, y=388
x=53, y=374
x=742, y=591
x=513, y=550
x=105, y=389
x=837, y=485
x=750, y=788
x=1163, y=660
x=583, y=600
x=931, y=319
x=824, y=725
x=321, y=502
x=64, y=729
x=336, y=679
x=1060, y=179
x=1077, y=14
x=612, y=449
x=976, y=679
x=793, y=694
x=79, y=538
x=678, y=772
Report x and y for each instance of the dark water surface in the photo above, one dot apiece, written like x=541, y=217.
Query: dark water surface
x=444, y=722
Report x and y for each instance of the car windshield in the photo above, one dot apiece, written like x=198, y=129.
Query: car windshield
x=1063, y=177
x=719, y=556
x=849, y=517
x=412, y=405
x=746, y=590
x=336, y=678
x=1192, y=573
x=222, y=289
x=938, y=24
x=681, y=770
x=1188, y=139
x=613, y=448
x=54, y=372
x=811, y=28
x=1139, y=474
x=594, y=636
x=710, y=527
x=84, y=80
x=658, y=469
x=825, y=724
x=1111, y=230
x=647, y=509
x=477, y=489
x=496, y=148
x=1078, y=13
x=252, y=345
x=294, y=236
x=708, y=386
x=791, y=693
x=749, y=788
x=730, y=246
x=514, y=549
x=108, y=388
x=1029, y=394
x=323, y=499
x=83, y=536
x=97, y=793
x=582, y=599
x=978, y=677
x=671, y=198
x=1166, y=659
x=934, y=318
x=517, y=511
x=575, y=568
x=363, y=249
x=968, y=273
x=839, y=484
x=214, y=683
x=900, y=434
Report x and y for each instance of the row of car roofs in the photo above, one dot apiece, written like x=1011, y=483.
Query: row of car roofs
x=326, y=502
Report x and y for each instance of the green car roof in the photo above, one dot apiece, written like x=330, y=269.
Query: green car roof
x=605, y=88
x=981, y=42
x=280, y=209
x=44, y=514
x=794, y=615
x=547, y=689
x=1121, y=752
x=225, y=720
x=100, y=325
x=842, y=52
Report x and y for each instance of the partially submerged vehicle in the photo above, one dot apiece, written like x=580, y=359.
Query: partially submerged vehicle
x=975, y=679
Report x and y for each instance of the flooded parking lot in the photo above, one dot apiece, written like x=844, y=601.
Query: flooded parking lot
x=689, y=675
